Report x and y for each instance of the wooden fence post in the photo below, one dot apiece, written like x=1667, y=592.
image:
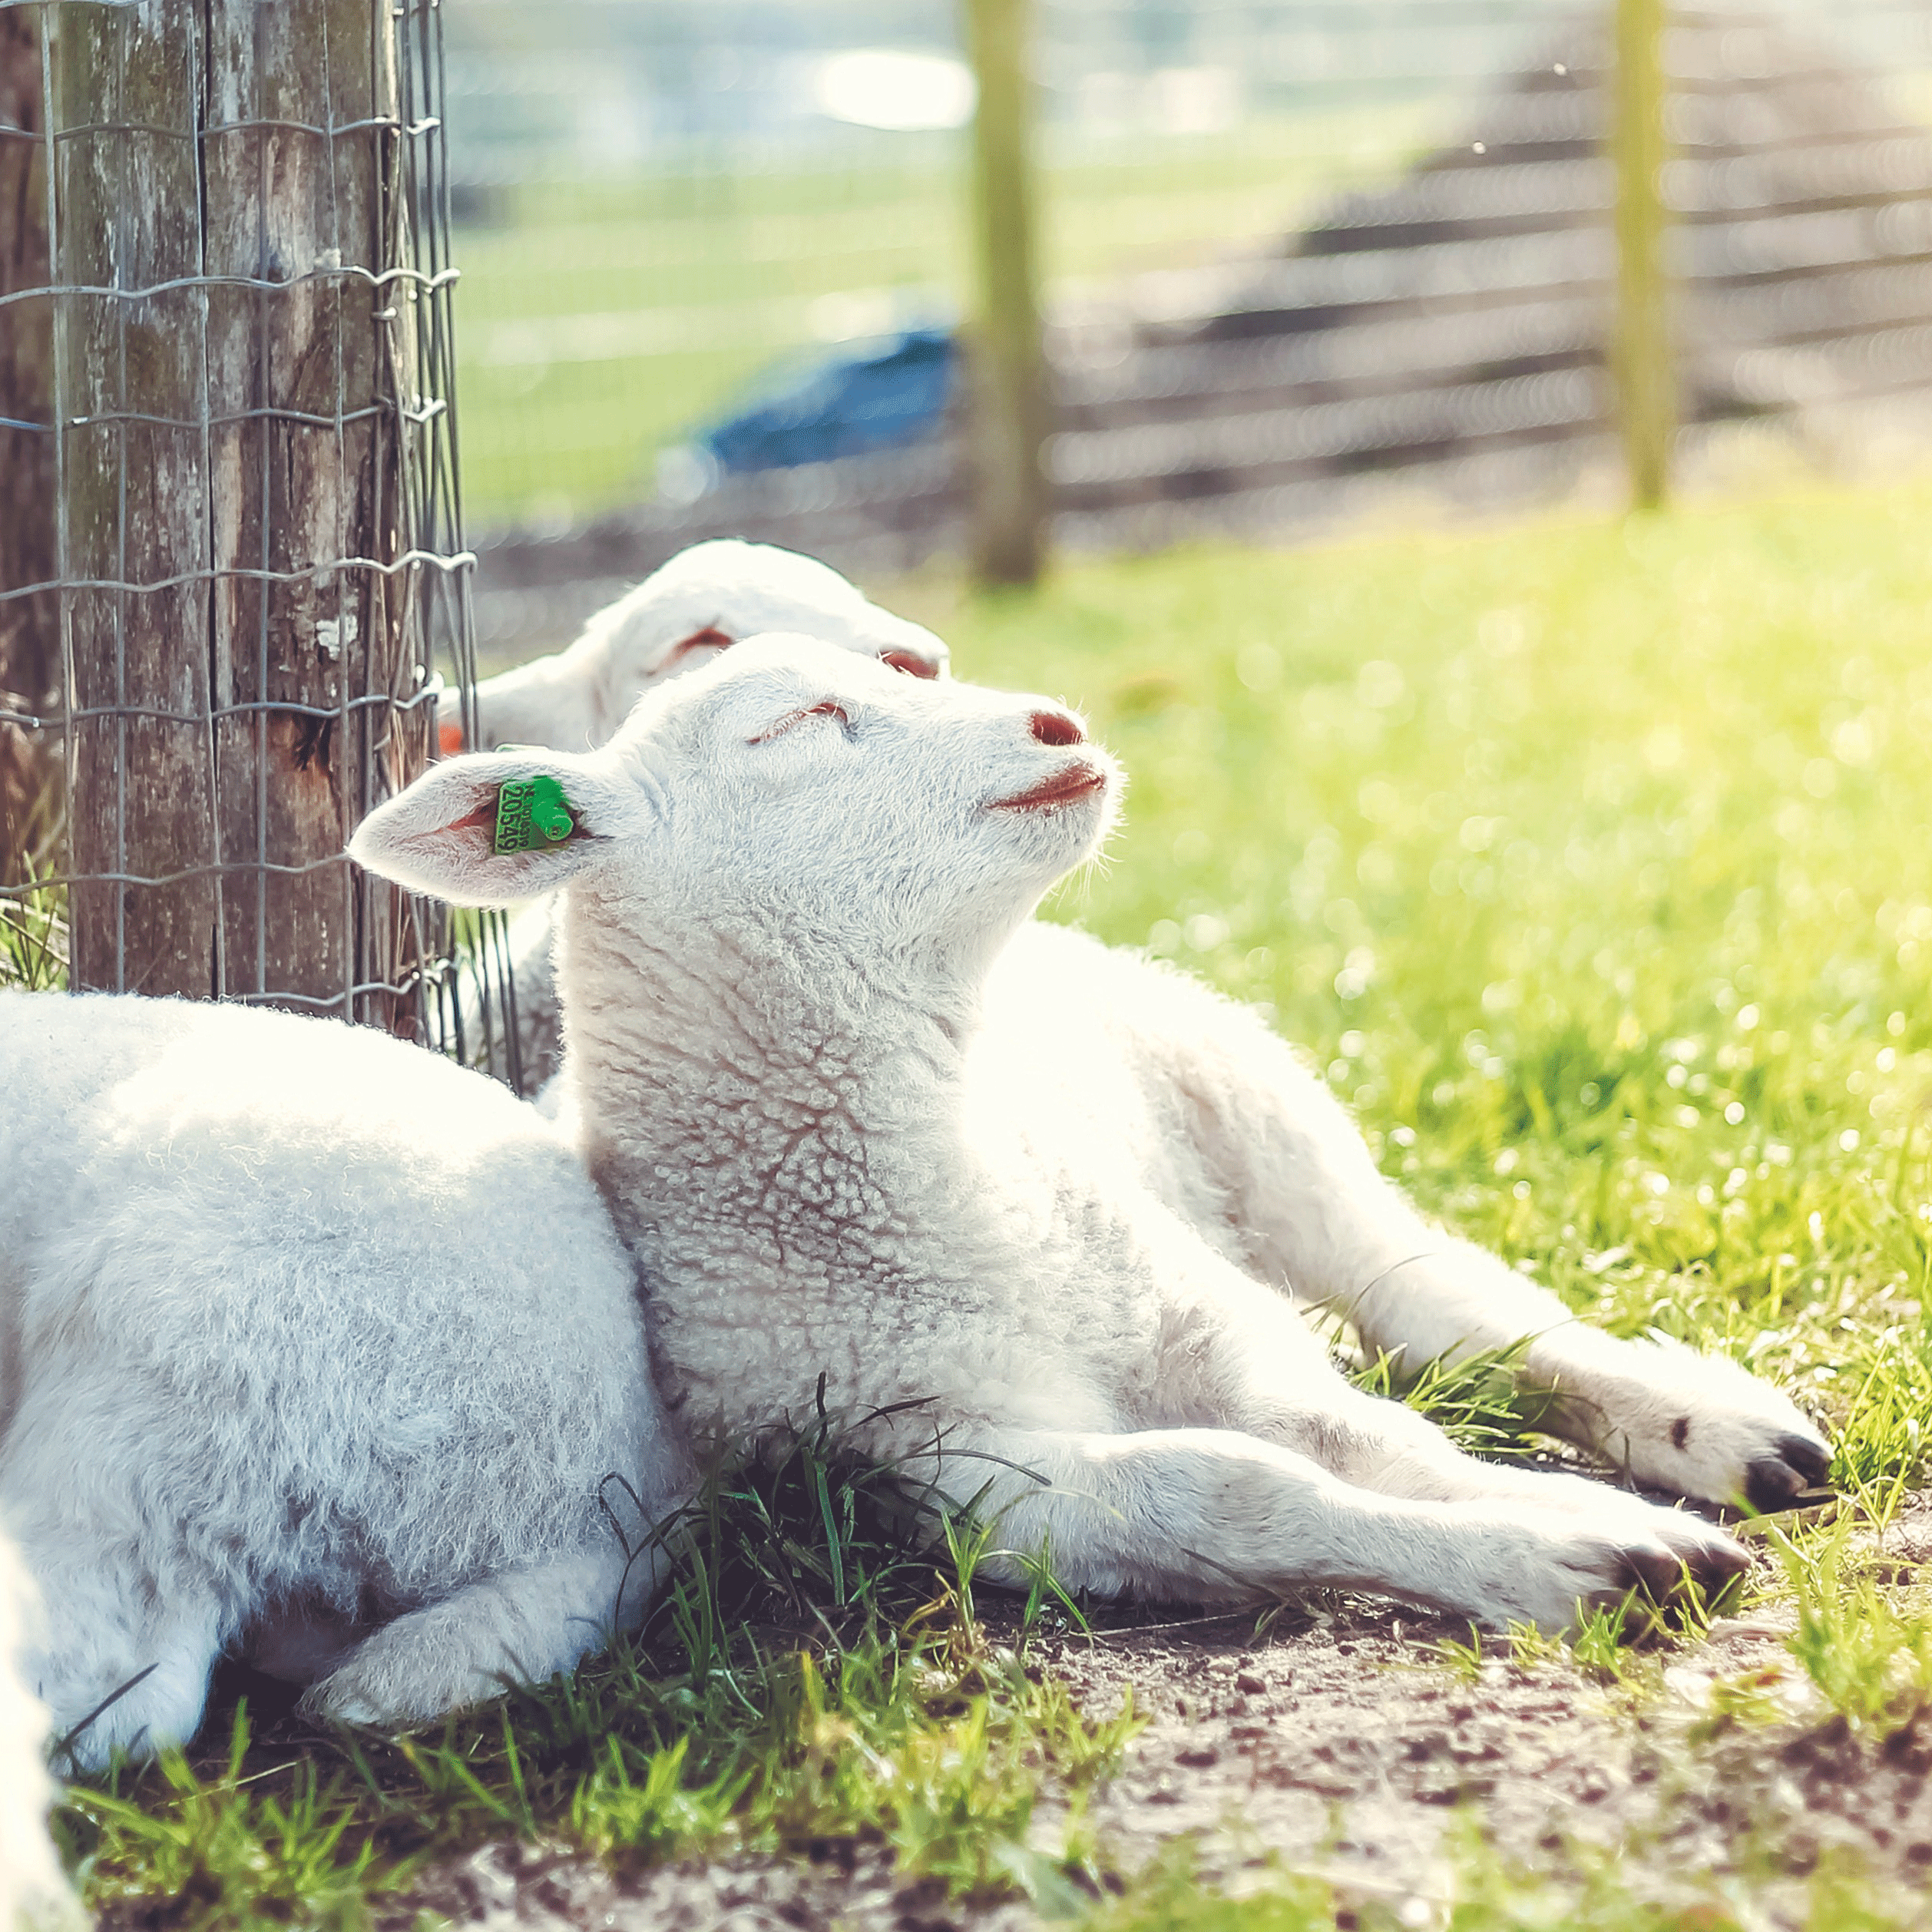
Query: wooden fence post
x=242, y=434
x=129, y=396
x=1646, y=376
x=1009, y=409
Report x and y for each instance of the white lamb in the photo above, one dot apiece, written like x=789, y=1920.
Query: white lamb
x=1062, y=1209
x=311, y=1343
x=687, y=611
x=32, y=1891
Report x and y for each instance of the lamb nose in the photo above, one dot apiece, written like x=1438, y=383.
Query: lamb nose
x=1056, y=728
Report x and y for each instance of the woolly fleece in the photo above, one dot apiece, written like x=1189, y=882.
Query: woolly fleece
x=32, y=1892
x=310, y=1343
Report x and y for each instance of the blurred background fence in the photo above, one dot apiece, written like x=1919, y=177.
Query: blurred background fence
x=1295, y=253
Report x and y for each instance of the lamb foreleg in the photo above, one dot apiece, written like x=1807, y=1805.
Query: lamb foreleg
x=1214, y=1515
x=1319, y=1218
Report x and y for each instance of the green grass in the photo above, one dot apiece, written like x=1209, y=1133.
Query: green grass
x=942, y=1765
x=600, y=322
x=1481, y=1892
x=1865, y=1644
x=1591, y=860
x=33, y=932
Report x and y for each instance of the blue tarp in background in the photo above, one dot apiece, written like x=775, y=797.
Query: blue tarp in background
x=879, y=394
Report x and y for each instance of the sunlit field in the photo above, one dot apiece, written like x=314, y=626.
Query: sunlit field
x=1591, y=860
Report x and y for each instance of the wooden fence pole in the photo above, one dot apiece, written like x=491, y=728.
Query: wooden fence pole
x=1009, y=410
x=242, y=432
x=1646, y=376
x=297, y=493
x=129, y=395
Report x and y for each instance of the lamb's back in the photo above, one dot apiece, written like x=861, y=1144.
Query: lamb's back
x=295, y=1258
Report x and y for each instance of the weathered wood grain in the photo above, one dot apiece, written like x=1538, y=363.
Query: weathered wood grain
x=131, y=392
x=290, y=492
x=277, y=481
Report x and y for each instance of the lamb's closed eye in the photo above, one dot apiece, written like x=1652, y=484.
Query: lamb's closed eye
x=826, y=709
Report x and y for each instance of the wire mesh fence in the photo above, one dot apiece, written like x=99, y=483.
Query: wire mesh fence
x=1295, y=250
x=233, y=587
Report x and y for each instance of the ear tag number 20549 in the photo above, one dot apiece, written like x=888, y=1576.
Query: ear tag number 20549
x=530, y=815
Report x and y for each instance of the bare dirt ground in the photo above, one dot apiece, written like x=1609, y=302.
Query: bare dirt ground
x=1342, y=1743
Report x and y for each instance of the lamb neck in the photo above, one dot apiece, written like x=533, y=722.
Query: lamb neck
x=750, y=1098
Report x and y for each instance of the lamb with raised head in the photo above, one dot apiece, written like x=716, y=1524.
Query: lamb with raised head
x=1623, y=1407
x=701, y=602
x=312, y=1344
x=1064, y=1212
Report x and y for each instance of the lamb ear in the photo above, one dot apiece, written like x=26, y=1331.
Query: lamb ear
x=439, y=834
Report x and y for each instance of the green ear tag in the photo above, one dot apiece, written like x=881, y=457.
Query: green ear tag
x=530, y=815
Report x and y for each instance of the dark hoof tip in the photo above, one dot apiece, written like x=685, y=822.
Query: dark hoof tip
x=1811, y=1459
x=1780, y=1480
x=1718, y=1568
x=1771, y=1485
x=1656, y=1573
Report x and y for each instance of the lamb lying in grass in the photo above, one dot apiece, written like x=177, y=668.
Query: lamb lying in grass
x=682, y=615
x=316, y=1344
x=1065, y=1211
x=1618, y=1404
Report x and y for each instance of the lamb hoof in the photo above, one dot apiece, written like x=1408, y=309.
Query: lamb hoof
x=1664, y=1576
x=1658, y=1574
x=1704, y=1426
x=1775, y=1481
x=346, y=1709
